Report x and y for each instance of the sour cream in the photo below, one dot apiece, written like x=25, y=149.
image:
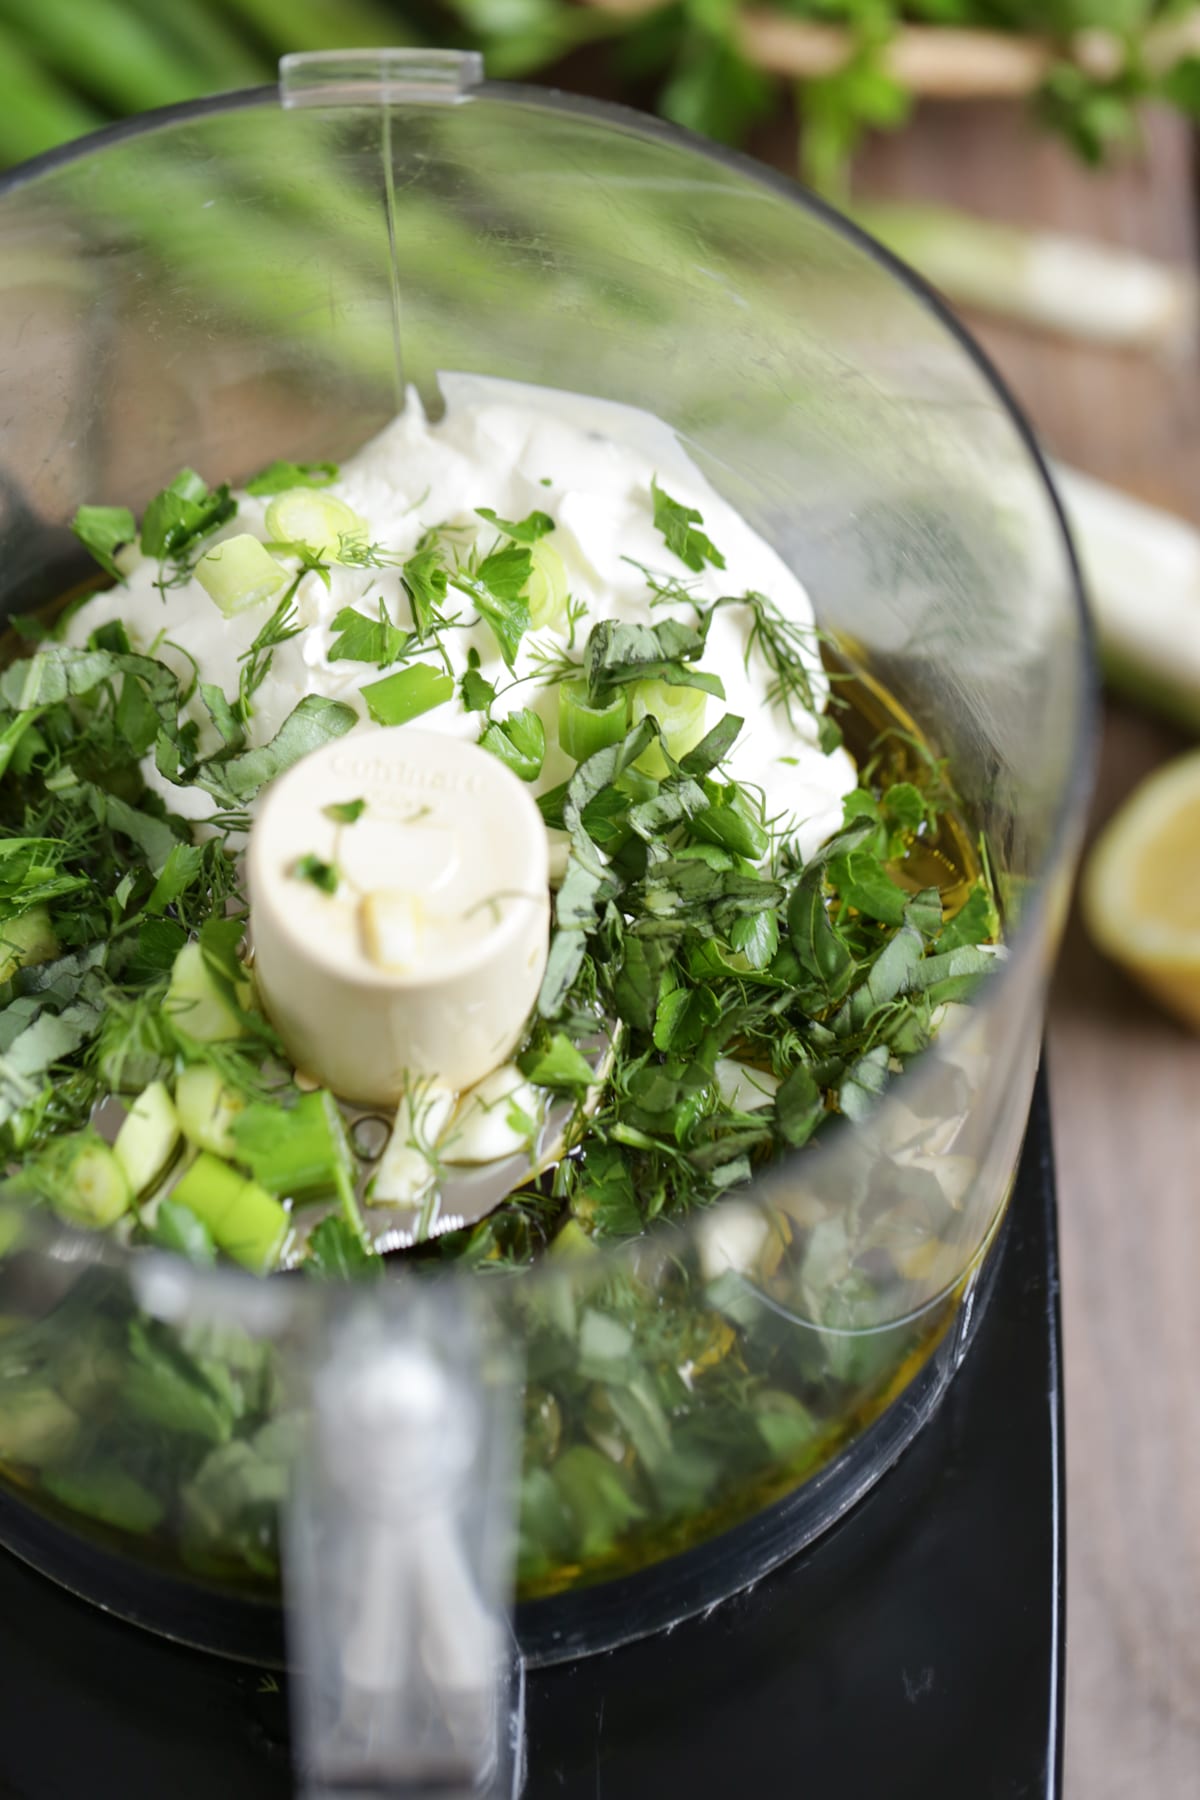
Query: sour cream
x=514, y=449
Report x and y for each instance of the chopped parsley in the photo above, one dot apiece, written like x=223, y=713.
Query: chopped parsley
x=680, y=526
x=345, y=812
x=323, y=875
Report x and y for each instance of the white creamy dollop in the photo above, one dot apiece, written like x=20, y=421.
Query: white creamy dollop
x=515, y=449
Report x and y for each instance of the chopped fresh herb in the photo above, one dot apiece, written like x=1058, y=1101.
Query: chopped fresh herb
x=558, y=1063
x=277, y=477
x=314, y=721
x=519, y=741
x=425, y=578
x=337, y=1253
x=363, y=639
x=407, y=694
x=323, y=875
x=256, y=661
x=186, y=511
x=679, y=526
x=496, y=588
x=522, y=531
x=102, y=530
x=177, y=1228
x=617, y=653
x=345, y=812
x=475, y=690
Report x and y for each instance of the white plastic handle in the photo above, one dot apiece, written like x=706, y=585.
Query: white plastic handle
x=398, y=1547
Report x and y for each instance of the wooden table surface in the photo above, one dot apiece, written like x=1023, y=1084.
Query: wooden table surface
x=1125, y=1081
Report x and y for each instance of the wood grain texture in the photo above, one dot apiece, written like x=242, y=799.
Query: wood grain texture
x=1125, y=1079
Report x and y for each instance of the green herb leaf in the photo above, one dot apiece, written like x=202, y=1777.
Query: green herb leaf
x=678, y=525
x=102, y=530
x=476, y=691
x=862, y=882
x=336, y=1253
x=617, y=653
x=177, y=1228
x=313, y=722
x=407, y=694
x=364, y=639
x=713, y=747
x=179, y=871
x=425, y=577
x=973, y=923
x=345, y=812
x=277, y=477
x=557, y=1064
x=519, y=741
x=323, y=875
x=184, y=512
x=799, y=1105
x=522, y=531
x=497, y=588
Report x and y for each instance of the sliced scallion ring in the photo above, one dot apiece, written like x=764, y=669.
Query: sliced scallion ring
x=680, y=712
x=318, y=521
x=584, y=729
x=546, y=589
x=238, y=573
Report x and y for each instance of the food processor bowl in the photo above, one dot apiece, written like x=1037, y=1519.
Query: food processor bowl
x=266, y=275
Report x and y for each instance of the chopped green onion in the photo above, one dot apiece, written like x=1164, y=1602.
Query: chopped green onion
x=1088, y=290
x=238, y=574
x=207, y=1109
x=245, y=1221
x=680, y=712
x=546, y=588
x=149, y=1137
x=299, y=1149
x=317, y=521
x=584, y=729
x=407, y=694
x=83, y=1181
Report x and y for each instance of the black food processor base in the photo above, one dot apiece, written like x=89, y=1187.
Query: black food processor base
x=913, y=1653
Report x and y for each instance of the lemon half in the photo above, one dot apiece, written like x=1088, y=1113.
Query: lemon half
x=1141, y=887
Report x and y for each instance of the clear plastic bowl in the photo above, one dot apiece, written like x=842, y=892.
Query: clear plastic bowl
x=228, y=282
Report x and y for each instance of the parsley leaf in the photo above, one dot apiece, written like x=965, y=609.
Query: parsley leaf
x=475, y=690
x=678, y=525
x=323, y=875
x=185, y=511
x=345, y=812
x=102, y=530
x=496, y=587
x=522, y=531
x=337, y=1253
x=424, y=577
x=278, y=476
x=177, y=1228
x=519, y=741
x=558, y=1064
x=367, y=640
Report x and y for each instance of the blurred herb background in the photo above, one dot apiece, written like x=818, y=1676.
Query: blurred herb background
x=717, y=66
